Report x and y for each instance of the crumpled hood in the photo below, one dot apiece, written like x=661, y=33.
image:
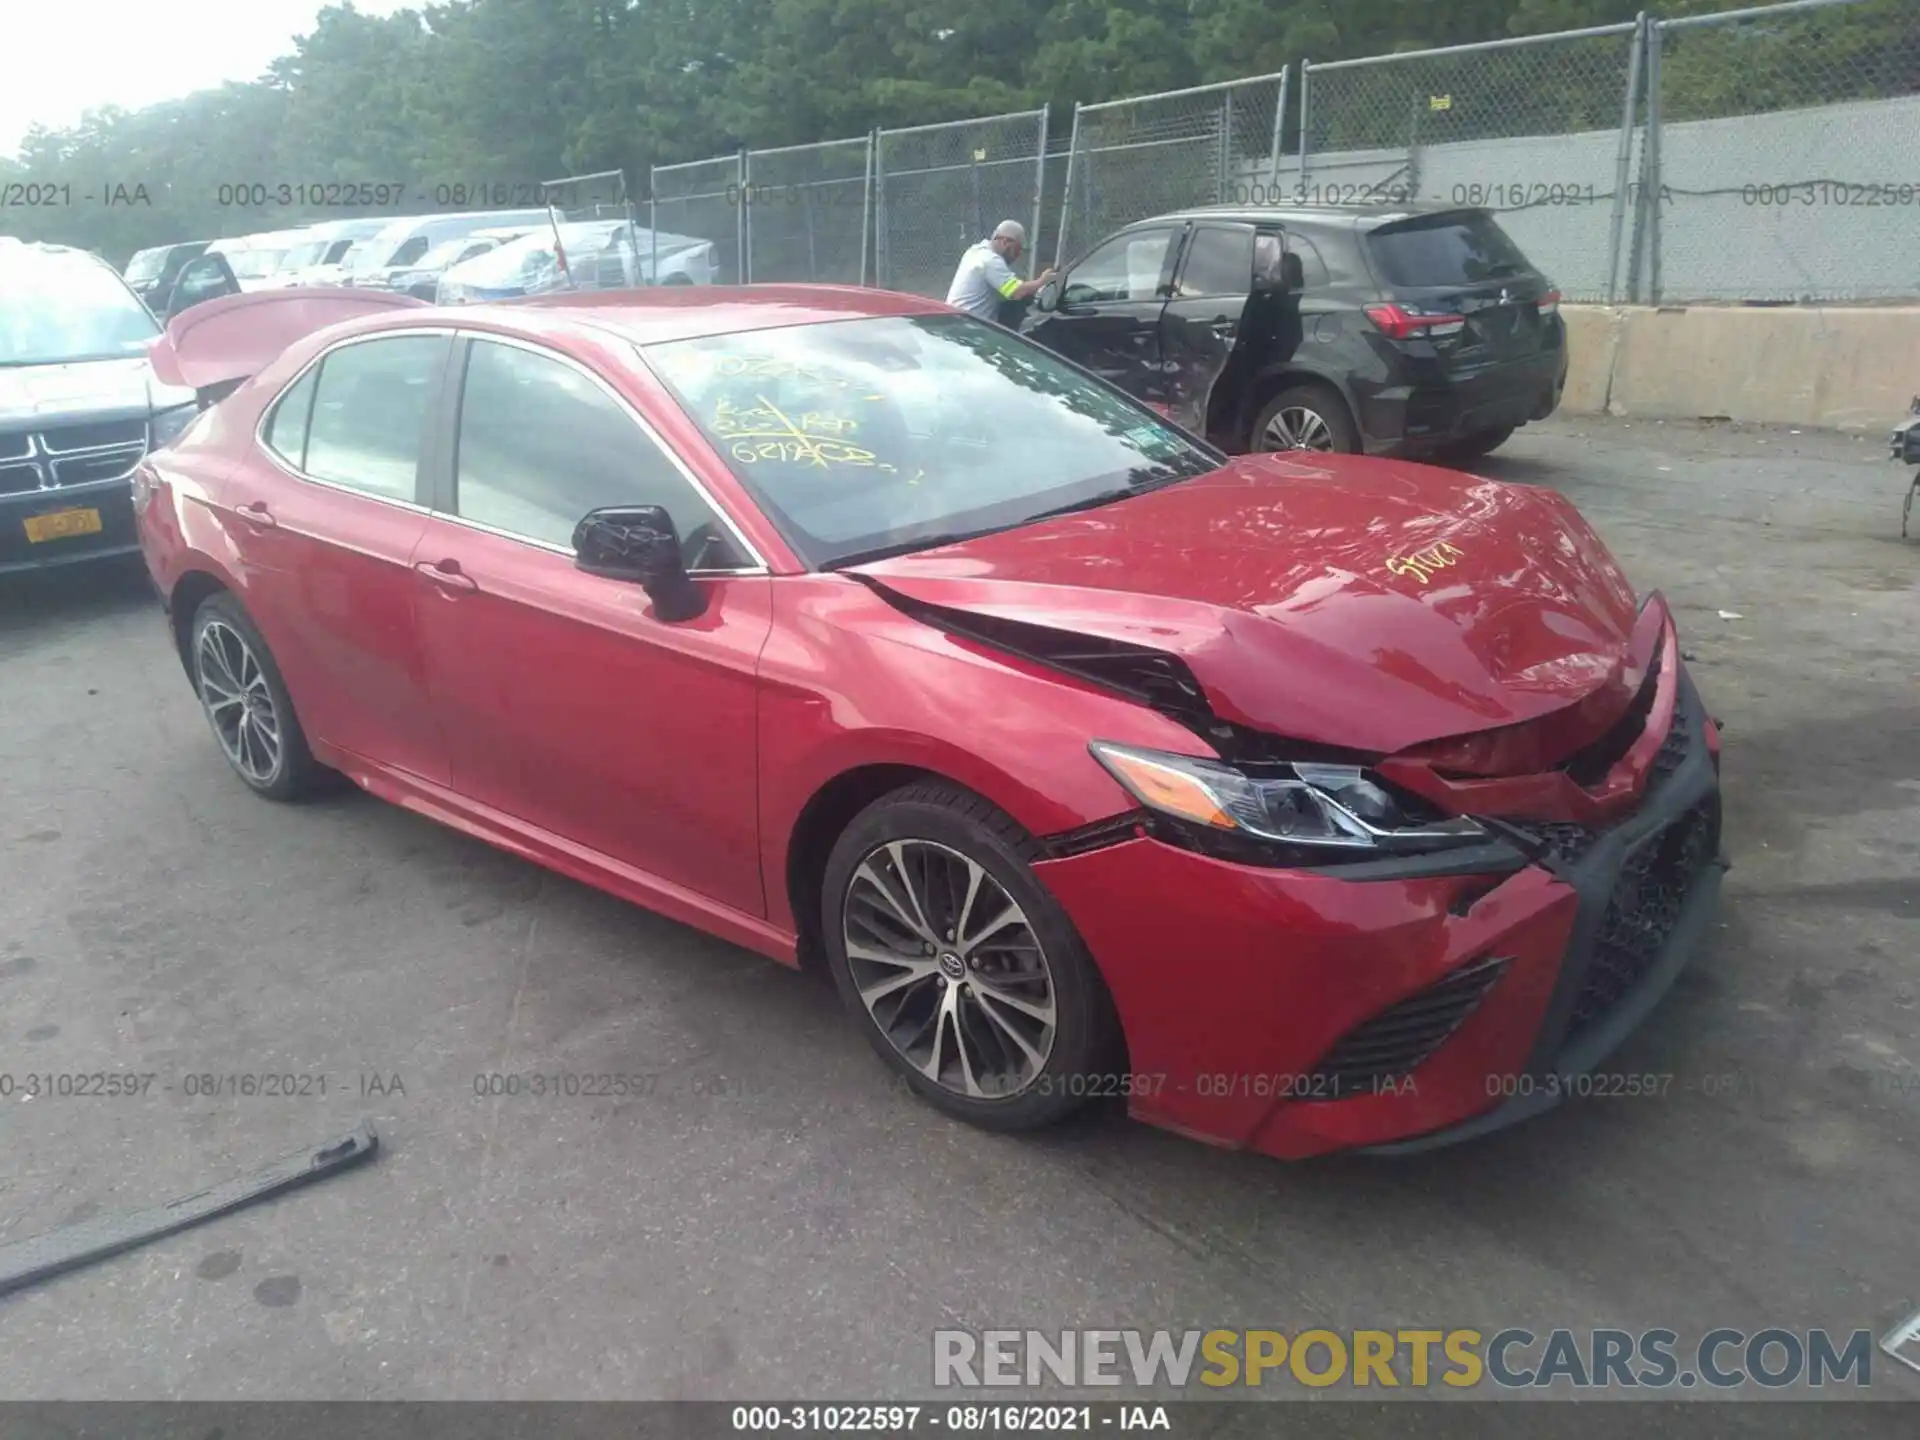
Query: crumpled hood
x=1342, y=600
x=34, y=395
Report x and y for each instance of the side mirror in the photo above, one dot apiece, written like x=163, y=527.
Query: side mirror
x=207, y=277
x=639, y=542
x=1047, y=297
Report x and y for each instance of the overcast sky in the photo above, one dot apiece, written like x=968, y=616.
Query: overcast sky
x=69, y=56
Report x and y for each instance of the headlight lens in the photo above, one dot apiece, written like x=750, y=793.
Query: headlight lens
x=169, y=425
x=1336, y=809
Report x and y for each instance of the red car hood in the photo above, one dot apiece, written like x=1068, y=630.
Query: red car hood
x=237, y=336
x=1363, y=603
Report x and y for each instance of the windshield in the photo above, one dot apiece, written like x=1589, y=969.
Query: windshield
x=146, y=264
x=869, y=436
x=58, y=309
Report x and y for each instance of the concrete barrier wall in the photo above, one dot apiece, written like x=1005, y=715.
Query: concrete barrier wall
x=1836, y=368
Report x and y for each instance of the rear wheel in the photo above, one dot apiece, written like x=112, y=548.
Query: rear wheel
x=246, y=702
x=1305, y=417
x=1481, y=442
x=966, y=975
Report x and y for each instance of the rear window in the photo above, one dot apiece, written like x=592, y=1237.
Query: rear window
x=1462, y=247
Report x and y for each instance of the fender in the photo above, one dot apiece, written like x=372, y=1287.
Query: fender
x=1293, y=368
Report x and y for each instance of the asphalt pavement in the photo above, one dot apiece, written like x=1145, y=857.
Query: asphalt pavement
x=773, y=1218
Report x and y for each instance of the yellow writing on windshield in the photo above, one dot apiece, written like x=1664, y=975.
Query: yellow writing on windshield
x=817, y=438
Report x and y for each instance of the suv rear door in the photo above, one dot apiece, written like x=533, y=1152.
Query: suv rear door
x=1459, y=265
x=1203, y=316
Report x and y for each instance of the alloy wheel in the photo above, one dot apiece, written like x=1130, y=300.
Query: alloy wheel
x=237, y=699
x=1297, y=428
x=950, y=969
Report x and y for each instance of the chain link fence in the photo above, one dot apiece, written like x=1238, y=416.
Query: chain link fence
x=809, y=212
x=939, y=188
x=1780, y=164
x=1130, y=159
x=702, y=199
x=1537, y=129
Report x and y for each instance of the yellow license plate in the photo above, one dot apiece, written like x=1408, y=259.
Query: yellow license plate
x=62, y=523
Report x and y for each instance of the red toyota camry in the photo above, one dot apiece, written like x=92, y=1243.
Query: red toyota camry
x=1304, y=801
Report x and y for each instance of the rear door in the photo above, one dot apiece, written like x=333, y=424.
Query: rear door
x=327, y=512
x=1108, y=316
x=1461, y=263
x=1201, y=322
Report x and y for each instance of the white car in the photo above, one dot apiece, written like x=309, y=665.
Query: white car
x=599, y=255
x=257, y=260
x=316, y=259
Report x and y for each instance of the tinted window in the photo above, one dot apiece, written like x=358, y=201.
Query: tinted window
x=1219, y=262
x=369, y=412
x=1127, y=267
x=887, y=432
x=1313, y=270
x=1460, y=248
x=541, y=444
x=286, y=432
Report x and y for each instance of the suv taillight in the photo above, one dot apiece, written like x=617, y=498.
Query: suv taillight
x=1549, y=303
x=1399, y=322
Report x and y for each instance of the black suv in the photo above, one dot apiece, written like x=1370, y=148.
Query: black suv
x=1404, y=330
x=79, y=405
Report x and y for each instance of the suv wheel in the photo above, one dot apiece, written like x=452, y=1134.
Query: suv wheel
x=966, y=975
x=1305, y=417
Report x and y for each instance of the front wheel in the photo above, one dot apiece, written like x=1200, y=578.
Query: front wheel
x=1305, y=417
x=965, y=974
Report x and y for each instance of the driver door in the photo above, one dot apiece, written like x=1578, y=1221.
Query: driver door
x=566, y=702
x=1108, y=316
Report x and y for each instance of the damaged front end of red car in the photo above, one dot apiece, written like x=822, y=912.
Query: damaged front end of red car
x=1364, y=920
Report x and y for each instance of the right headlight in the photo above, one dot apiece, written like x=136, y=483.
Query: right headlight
x=1336, y=810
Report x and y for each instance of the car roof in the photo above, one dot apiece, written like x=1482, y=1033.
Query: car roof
x=658, y=314
x=1330, y=216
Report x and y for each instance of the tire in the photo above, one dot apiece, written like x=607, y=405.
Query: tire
x=229, y=657
x=1473, y=447
x=1327, y=421
x=942, y=834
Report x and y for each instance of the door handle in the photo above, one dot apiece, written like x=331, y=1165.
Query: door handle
x=256, y=513
x=447, y=573
x=1224, y=329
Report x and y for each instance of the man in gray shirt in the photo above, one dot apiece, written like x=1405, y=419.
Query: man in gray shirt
x=986, y=280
